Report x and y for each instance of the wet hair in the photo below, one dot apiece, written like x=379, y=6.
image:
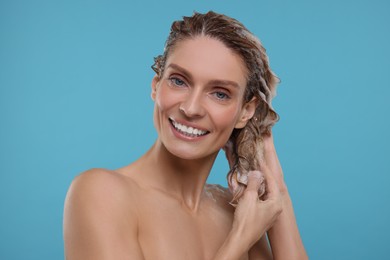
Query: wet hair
x=246, y=144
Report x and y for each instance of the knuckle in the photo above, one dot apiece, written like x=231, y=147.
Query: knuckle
x=278, y=210
x=276, y=207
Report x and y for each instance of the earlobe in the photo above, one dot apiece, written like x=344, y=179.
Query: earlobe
x=154, y=87
x=247, y=113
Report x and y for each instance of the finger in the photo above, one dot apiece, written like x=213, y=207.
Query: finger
x=272, y=188
x=270, y=155
x=269, y=147
x=255, y=179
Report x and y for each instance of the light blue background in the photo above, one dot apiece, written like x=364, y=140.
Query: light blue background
x=75, y=94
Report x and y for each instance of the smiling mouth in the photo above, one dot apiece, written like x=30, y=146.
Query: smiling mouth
x=187, y=130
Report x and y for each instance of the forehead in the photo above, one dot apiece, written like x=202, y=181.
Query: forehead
x=208, y=59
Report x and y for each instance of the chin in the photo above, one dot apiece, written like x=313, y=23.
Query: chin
x=190, y=153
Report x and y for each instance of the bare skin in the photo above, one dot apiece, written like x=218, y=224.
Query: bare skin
x=160, y=206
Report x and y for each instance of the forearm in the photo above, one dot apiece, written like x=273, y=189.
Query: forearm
x=232, y=248
x=284, y=237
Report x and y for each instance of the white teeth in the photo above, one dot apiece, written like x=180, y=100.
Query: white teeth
x=188, y=129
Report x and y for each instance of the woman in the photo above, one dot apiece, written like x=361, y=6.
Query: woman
x=212, y=90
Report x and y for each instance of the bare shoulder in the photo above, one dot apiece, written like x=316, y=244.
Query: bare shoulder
x=99, y=186
x=221, y=195
x=99, y=214
x=98, y=191
x=101, y=176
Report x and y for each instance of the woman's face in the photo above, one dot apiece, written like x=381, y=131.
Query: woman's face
x=199, y=98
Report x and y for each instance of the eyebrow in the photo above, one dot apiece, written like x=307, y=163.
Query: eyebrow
x=181, y=70
x=212, y=82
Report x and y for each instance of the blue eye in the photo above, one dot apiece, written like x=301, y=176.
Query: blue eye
x=177, y=81
x=221, y=95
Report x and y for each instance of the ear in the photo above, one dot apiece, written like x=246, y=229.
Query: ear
x=155, y=82
x=247, y=113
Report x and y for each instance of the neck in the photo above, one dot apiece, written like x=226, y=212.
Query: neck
x=181, y=178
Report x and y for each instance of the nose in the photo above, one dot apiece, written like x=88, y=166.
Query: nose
x=192, y=105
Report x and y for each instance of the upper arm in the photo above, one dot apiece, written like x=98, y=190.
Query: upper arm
x=98, y=221
x=260, y=250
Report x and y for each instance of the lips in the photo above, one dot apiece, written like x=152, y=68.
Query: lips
x=188, y=130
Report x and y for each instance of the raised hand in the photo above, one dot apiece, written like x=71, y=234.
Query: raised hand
x=283, y=235
x=271, y=164
x=253, y=217
x=273, y=213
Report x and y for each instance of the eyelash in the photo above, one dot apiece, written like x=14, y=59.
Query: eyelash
x=217, y=94
x=173, y=80
x=225, y=95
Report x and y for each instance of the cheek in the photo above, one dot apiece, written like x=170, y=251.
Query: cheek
x=164, y=99
x=226, y=118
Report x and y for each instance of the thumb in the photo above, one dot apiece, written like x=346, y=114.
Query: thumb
x=255, y=179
